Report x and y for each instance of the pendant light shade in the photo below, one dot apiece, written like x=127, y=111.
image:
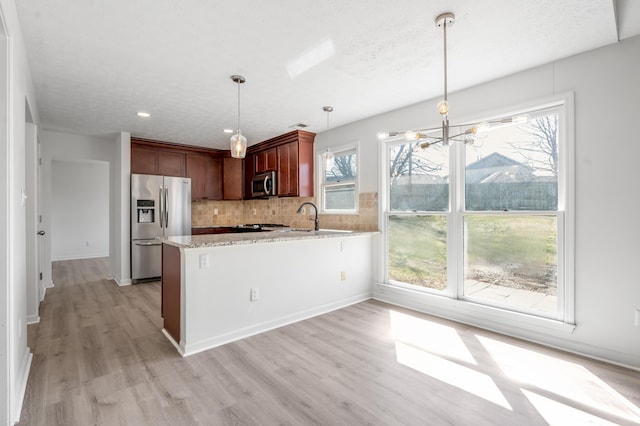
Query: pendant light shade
x=328, y=157
x=238, y=143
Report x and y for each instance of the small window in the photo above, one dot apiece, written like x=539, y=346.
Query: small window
x=339, y=184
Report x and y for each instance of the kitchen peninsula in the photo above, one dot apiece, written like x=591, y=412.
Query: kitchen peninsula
x=223, y=287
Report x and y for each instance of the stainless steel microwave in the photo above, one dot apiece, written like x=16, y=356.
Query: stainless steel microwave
x=264, y=185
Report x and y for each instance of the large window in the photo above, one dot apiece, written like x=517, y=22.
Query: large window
x=485, y=222
x=339, y=184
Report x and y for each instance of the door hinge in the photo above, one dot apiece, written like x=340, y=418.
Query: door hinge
x=40, y=218
x=41, y=275
x=40, y=161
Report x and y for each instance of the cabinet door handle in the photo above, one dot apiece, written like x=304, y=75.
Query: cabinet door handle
x=149, y=244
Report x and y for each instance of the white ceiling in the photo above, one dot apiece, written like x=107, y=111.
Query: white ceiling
x=95, y=63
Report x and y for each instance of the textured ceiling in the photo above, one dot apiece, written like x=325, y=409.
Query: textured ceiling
x=95, y=63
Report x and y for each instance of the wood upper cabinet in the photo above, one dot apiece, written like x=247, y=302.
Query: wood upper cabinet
x=293, y=153
x=233, y=178
x=157, y=160
x=205, y=172
x=288, y=170
x=171, y=163
x=144, y=160
x=295, y=168
x=266, y=161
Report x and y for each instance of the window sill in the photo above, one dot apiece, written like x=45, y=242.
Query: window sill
x=486, y=317
x=339, y=212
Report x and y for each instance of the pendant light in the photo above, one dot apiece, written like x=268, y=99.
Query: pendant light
x=432, y=136
x=238, y=142
x=329, y=158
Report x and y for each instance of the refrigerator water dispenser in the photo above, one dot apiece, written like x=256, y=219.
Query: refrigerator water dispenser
x=146, y=211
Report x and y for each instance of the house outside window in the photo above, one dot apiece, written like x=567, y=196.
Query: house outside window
x=339, y=184
x=489, y=222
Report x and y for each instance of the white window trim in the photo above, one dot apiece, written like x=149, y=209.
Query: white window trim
x=354, y=146
x=426, y=299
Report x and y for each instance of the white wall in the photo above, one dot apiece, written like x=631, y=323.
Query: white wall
x=15, y=356
x=79, y=209
x=607, y=291
x=216, y=305
x=113, y=149
x=120, y=231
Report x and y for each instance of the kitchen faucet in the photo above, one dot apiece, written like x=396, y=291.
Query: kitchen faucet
x=314, y=208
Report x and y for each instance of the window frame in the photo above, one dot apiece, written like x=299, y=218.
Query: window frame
x=564, y=104
x=322, y=185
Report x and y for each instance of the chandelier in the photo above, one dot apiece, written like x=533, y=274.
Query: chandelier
x=435, y=135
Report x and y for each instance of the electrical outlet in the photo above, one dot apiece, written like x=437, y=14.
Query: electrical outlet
x=215, y=212
x=254, y=294
x=303, y=210
x=343, y=276
x=204, y=261
x=254, y=212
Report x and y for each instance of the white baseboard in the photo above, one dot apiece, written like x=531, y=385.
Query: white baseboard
x=210, y=343
x=122, y=282
x=21, y=385
x=80, y=256
x=544, y=332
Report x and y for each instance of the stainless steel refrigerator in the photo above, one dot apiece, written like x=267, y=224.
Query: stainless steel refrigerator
x=160, y=207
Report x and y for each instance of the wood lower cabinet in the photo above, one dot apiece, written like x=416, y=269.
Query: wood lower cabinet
x=206, y=176
x=232, y=178
x=170, y=296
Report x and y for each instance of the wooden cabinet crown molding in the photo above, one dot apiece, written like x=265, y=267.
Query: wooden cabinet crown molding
x=179, y=148
x=293, y=136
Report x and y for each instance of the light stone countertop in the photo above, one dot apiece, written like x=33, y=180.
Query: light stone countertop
x=274, y=236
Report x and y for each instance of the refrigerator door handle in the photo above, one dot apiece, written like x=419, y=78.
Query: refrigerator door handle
x=161, y=208
x=155, y=243
x=166, y=207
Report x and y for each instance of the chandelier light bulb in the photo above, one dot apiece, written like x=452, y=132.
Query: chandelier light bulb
x=443, y=107
x=411, y=135
x=382, y=135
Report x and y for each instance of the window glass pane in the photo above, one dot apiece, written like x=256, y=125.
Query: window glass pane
x=419, y=178
x=514, y=167
x=343, y=170
x=342, y=197
x=512, y=260
x=418, y=250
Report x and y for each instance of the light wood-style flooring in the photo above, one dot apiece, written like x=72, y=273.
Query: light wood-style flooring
x=100, y=358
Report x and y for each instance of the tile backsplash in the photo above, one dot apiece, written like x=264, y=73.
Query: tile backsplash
x=283, y=210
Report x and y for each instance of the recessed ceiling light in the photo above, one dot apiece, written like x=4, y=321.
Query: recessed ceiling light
x=228, y=130
x=144, y=114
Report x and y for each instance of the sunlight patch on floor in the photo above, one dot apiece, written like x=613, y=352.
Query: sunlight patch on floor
x=557, y=413
x=563, y=378
x=467, y=379
x=430, y=336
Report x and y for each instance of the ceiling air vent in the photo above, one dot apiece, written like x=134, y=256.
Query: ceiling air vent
x=298, y=125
